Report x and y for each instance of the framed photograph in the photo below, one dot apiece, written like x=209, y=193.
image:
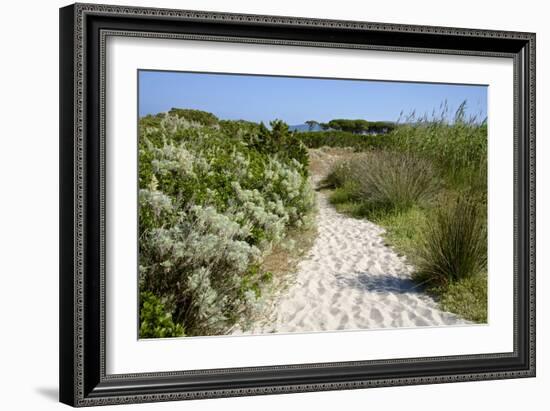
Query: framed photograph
x=262, y=204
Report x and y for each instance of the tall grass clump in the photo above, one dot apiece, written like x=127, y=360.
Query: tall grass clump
x=339, y=175
x=458, y=149
x=383, y=181
x=214, y=198
x=393, y=181
x=454, y=243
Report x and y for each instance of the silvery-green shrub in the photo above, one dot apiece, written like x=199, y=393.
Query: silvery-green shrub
x=213, y=201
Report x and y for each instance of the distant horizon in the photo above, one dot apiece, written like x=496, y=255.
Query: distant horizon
x=295, y=100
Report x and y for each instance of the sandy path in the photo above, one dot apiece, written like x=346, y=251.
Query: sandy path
x=351, y=280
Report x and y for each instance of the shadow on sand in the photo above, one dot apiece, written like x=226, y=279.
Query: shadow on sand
x=365, y=281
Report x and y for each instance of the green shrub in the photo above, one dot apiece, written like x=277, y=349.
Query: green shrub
x=154, y=320
x=214, y=197
x=196, y=116
x=336, y=138
x=198, y=264
x=280, y=140
x=339, y=175
x=454, y=244
x=359, y=126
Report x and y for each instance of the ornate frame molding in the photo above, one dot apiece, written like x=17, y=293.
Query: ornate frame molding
x=82, y=369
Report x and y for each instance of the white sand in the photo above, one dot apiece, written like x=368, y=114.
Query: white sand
x=351, y=280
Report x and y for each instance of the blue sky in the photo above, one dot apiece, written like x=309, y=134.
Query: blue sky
x=295, y=100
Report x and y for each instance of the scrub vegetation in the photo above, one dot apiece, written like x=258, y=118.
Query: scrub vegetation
x=427, y=186
x=226, y=206
x=215, y=198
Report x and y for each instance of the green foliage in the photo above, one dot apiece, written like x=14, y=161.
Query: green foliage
x=360, y=126
x=404, y=229
x=352, y=126
x=454, y=244
x=426, y=183
x=195, y=116
x=335, y=138
x=343, y=195
x=467, y=297
x=381, y=126
x=154, y=320
x=214, y=197
x=280, y=140
x=385, y=181
x=241, y=130
x=339, y=175
x=458, y=150
x=393, y=180
x=311, y=124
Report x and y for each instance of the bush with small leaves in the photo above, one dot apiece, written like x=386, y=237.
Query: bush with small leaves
x=214, y=197
x=154, y=320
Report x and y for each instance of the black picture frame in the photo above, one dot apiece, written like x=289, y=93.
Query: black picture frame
x=83, y=29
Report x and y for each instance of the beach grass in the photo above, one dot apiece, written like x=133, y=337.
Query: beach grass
x=427, y=187
x=453, y=244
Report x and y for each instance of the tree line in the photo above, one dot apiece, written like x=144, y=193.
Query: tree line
x=357, y=126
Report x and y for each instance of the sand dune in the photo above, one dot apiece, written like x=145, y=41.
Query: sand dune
x=351, y=280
